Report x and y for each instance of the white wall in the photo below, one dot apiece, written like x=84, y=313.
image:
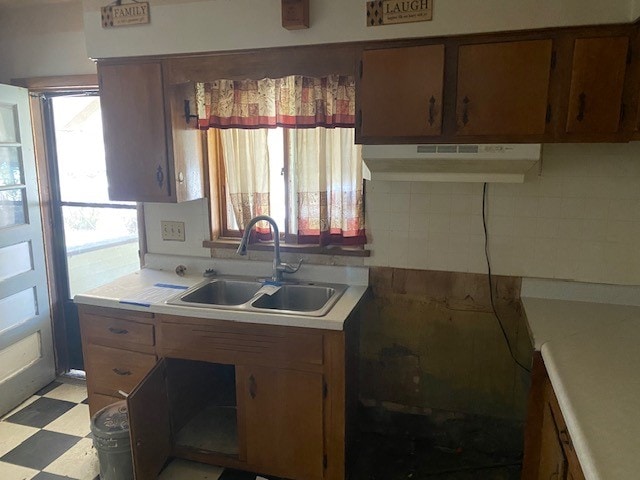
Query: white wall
x=579, y=220
x=635, y=9
x=43, y=40
x=214, y=25
x=195, y=216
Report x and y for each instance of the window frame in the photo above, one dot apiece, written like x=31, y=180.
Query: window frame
x=223, y=237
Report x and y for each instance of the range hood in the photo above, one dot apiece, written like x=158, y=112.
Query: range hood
x=452, y=163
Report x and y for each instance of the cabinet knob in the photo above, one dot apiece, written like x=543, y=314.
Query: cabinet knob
x=465, y=110
x=582, y=99
x=160, y=176
x=432, y=110
x=253, y=387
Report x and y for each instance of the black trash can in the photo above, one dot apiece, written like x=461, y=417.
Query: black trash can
x=110, y=428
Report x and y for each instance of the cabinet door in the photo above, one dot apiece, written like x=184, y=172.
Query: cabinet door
x=281, y=413
x=400, y=92
x=597, y=82
x=149, y=424
x=553, y=463
x=133, y=117
x=503, y=88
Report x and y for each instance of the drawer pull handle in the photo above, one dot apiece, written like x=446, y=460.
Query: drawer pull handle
x=253, y=387
x=118, y=331
x=564, y=437
x=122, y=373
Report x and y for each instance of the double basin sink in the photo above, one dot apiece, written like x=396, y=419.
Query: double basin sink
x=308, y=299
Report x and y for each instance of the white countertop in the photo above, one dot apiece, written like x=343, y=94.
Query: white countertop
x=592, y=353
x=129, y=286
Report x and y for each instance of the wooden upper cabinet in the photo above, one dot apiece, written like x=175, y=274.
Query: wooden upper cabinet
x=152, y=155
x=503, y=88
x=400, y=92
x=597, y=84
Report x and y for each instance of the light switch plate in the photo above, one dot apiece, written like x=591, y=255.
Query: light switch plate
x=172, y=231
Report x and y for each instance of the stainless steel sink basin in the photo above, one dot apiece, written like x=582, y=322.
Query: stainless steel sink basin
x=307, y=299
x=298, y=298
x=222, y=292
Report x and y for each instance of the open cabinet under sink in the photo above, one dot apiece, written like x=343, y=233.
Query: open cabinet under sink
x=267, y=399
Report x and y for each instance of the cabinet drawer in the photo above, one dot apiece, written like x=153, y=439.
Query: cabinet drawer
x=112, y=369
x=227, y=342
x=117, y=331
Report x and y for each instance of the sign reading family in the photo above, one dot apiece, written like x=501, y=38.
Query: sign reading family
x=389, y=12
x=119, y=15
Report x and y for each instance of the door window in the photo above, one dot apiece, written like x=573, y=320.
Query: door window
x=100, y=236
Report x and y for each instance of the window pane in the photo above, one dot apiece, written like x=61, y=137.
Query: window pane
x=101, y=245
x=10, y=167
x=80, y=149
x=277, y=202
x=7, y=124
x=12, y=207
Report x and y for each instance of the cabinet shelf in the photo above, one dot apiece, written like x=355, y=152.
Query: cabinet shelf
x=213, y=429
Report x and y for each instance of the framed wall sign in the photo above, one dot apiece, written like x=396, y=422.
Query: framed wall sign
x=119, y=15
x=390, y=12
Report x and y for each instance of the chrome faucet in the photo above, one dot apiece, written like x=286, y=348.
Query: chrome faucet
x=279, y=267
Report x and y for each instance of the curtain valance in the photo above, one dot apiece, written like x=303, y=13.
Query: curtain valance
x=294, y=101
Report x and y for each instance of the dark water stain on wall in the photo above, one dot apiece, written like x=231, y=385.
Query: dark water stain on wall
x=430, y=342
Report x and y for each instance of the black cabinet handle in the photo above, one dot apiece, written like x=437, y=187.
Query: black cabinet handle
x=253, y=387
x=122, y=373
x=160, y=176
x=432, y=110
x=465, y=110
x=582, y=98
x=187, y=112
x=118, y=331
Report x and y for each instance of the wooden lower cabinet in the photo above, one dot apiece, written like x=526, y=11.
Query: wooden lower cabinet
x=266, y=399
x=549, y=452
x=283, y=420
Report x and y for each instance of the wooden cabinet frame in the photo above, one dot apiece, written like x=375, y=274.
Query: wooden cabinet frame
x=546, y=435
x=321, y=362
x=563, y=40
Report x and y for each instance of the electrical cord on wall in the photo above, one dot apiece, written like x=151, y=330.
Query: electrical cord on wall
x=486, y=254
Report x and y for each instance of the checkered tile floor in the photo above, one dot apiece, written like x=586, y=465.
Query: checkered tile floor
x=48, y=438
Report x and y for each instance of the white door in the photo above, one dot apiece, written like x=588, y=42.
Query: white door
x=26, y=347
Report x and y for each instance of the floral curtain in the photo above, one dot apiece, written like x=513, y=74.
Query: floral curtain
x=246, y=168
x=294, y=101
x=326, y=181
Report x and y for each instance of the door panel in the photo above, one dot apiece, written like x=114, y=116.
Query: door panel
x=401, y=91
x=283, y=412
x=135, y=138
x=597, y=81
x=25, y=339
x=503, y=88
x=149, y=425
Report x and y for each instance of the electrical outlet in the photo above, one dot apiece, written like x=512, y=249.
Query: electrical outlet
x=173, y=231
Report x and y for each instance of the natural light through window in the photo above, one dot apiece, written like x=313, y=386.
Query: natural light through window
x=101, y=237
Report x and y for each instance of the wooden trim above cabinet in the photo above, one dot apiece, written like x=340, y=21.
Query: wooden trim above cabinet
x=60, y=83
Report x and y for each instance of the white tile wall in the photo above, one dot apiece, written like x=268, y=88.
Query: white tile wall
x=579, y=220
